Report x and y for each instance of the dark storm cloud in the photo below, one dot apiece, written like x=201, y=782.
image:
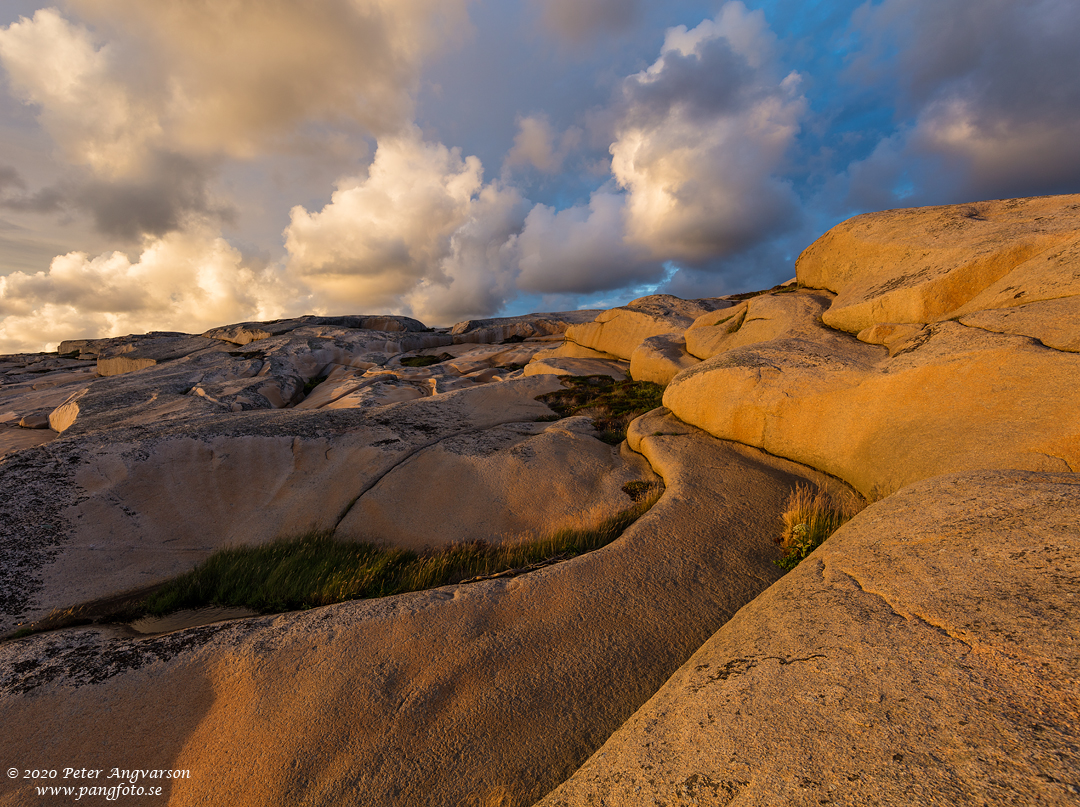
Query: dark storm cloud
x=989, y=91
x=47, y=200
x=156, y=202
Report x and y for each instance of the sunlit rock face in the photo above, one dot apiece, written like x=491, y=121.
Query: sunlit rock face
x=923, y=359
x=949, y=345
x=933, y=263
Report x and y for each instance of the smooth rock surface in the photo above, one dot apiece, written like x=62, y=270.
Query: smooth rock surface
x=1055, y=323
x=960, y=399
x=759, y=319
x=17, y=439
x=521, y=480
x=920, y=265
x=1050, y=275
x=660, y=358
x=927, y=653
x=492, y=692
x=619, y=331
x=120, y=512
x=578, y=367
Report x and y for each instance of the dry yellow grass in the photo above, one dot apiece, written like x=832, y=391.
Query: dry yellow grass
x=810, y=516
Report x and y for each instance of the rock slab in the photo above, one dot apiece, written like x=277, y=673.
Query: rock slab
x=927, y=653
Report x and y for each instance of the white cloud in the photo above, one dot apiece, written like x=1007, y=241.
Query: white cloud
x=187, y=281
x=144, y=101
x=88, y=111
x=231, y=77
x=479, y=275
x=150, y=97
x=702, y=139
x=699, y=136
x=421, y=233
x=383, y=233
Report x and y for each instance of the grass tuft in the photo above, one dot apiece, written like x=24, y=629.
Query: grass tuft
x=639, y=489
x=810, y=516
x=316, y=569
x=611, y=404
x=424, y=361
x=311, y=383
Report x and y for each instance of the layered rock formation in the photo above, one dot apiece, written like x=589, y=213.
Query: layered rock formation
x=926, y=652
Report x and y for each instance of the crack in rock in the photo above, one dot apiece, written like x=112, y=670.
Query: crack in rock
x=907, y=617
x=740, y=666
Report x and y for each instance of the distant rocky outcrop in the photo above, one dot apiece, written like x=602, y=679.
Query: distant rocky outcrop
x=619, y=331
x=927, y=651
x=502, y=329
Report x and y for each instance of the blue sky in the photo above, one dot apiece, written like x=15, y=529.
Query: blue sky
x=178, y=165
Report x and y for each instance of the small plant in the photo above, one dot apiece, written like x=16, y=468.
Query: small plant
x=311, y=383
x=810, y=516
x=611, y=404
x=425, y=361
x=639, y=489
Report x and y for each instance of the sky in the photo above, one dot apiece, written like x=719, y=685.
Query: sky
x=183, y=165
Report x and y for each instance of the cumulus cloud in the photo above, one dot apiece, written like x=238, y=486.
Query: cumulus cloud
x=147, y=98
x=186, y=281
x=702, y=138
x=409, y=226
x=989, y=92
x=229, y=77
x=579, y=21
x=698, y=139
x=478, y=276
x=382, y=233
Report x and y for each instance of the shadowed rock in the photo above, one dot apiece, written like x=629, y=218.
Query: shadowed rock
x=501, y=329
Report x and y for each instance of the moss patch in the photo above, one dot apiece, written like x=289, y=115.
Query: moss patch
x=611, y=404
x=311, y=383
x=425, y=361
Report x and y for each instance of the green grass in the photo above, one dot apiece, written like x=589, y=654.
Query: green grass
x=611, y=404
x=316, y=569
x=311, y=383
x=810, y=516
x=425, y=361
